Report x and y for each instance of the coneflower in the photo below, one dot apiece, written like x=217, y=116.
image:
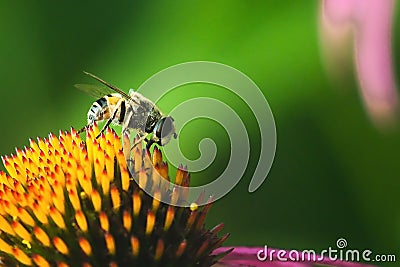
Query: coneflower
x=69, y=202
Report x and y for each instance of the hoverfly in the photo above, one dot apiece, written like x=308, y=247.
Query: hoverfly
x=132, y=111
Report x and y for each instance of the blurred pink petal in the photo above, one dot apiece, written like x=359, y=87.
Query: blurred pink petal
x=370, y=22
x=247, y=256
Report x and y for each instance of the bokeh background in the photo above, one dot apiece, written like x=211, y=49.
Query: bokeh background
x=335, y=174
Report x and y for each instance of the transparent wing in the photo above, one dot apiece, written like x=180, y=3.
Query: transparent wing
x=93, y=90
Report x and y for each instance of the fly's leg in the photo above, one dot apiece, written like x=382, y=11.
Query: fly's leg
x=126, y=148
x=149, y=143
x=110, y=119
x=126, y=143
x=140, y=140
x=105, y=126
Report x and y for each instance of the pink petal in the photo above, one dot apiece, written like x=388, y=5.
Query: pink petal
x=371, y=22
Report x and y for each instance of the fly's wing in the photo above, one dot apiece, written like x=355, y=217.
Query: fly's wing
x=93, y=90
x=142, y=101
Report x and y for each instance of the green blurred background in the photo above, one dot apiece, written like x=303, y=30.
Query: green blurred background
x=335, y=174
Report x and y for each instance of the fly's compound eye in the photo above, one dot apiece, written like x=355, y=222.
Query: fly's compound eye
x=164, y=128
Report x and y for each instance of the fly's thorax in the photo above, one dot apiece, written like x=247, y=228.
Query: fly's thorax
x=153, y=117
x=141, y=113
x=141, y=118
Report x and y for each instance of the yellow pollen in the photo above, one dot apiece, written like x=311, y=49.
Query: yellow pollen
x=194, y=206
x=27, y=243
x=82, y=195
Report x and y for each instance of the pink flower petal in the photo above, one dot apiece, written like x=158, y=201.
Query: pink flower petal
x=371, y=22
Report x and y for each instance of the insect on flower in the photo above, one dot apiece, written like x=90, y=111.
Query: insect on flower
x=132, y=111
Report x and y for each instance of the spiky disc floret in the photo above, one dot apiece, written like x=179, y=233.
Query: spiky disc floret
x=67, y=203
